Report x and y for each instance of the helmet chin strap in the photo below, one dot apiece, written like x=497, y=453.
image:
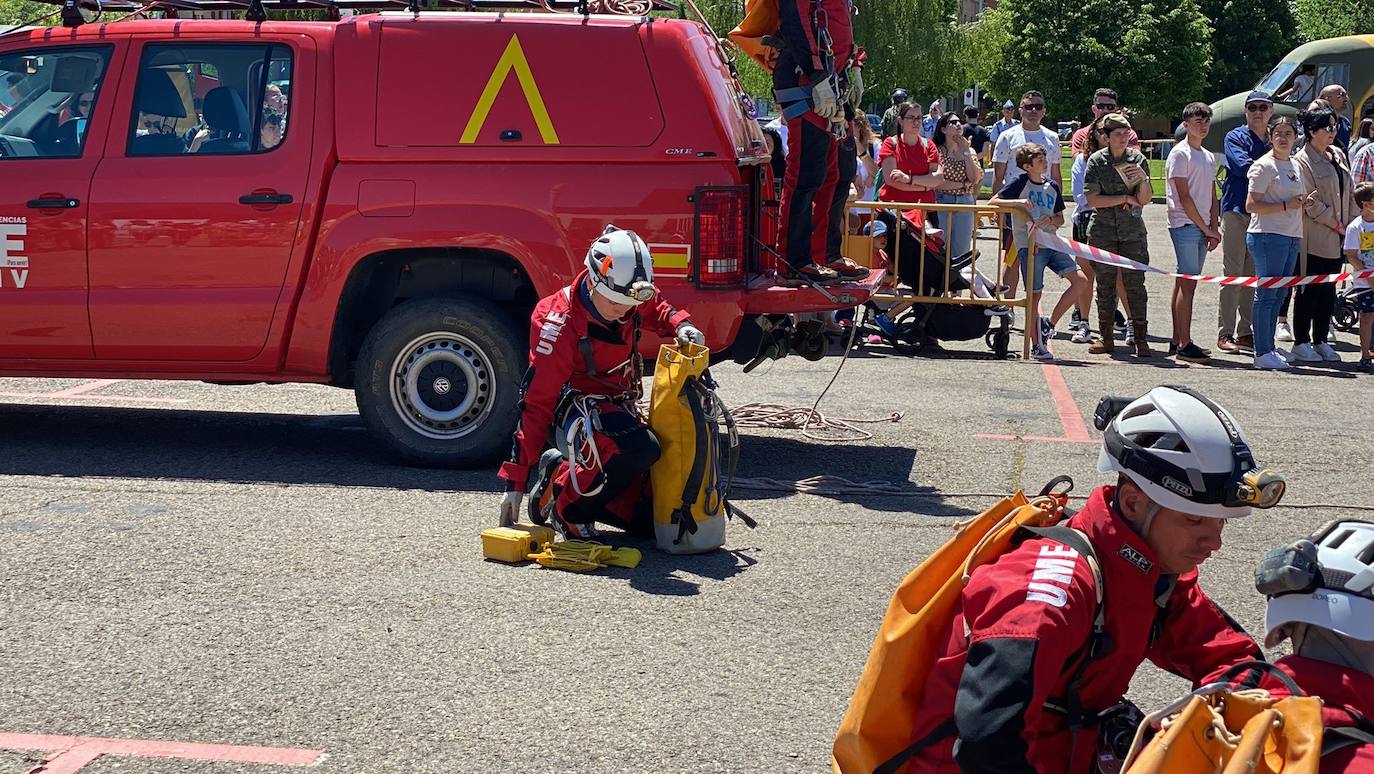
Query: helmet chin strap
x=1150, y=514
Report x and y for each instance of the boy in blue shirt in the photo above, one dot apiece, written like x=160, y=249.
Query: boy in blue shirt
x=1043, y=204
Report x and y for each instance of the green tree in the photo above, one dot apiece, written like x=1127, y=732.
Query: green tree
x=1170, y=49
x=912, y=44
x=14, y=12
x=1155, y=55
x=1318, y=19
x=1249, y=37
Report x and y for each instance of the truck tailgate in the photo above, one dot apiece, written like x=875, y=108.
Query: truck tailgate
x=767, y=296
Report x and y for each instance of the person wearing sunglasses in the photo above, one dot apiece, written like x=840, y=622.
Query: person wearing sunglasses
x=1004, y=169
x=1104, y=101
x=1047, y=637
x=1242, y=146
x=585, y=370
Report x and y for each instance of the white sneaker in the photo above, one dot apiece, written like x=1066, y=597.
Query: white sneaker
x=1042, y=353
x=1283, y=332
x=1304, y=353
x=1328, y=354
x=1271, y=362
x=1082, y=334
x=1284, y=355
x=1130, y=334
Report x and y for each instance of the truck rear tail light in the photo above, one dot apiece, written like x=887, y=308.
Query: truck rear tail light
x=721, y=236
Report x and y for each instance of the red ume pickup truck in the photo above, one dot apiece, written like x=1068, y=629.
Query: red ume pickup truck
x=374, y=203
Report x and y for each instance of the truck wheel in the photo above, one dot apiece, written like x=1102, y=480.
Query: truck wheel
x=438, y=381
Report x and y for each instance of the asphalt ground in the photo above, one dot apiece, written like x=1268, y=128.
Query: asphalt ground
x=240, y=565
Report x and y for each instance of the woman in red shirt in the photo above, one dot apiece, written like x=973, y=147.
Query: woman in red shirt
x=911, y=164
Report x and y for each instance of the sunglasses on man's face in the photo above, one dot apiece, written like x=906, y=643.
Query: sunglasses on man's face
x=1034, y=106
x=1257, y=107
x=1105, y=106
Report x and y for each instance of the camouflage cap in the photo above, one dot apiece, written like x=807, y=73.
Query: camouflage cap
x=1115, y=121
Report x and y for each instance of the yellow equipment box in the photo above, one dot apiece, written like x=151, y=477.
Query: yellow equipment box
x=515, y=544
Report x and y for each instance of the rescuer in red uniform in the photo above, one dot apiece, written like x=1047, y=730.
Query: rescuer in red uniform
x=1033, y=657
x=583, y=383
x=815, y=80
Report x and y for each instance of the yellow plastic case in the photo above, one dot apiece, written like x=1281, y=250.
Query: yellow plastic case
x=514, y=544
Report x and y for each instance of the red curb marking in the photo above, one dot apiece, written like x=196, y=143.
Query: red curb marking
x=69, y=754
x=1075, y=430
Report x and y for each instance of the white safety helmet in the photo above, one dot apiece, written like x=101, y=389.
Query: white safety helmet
x=1326, y=580
x=620, y=267
x=1185, y=453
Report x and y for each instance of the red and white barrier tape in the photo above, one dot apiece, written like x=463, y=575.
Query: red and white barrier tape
x=1098, y=255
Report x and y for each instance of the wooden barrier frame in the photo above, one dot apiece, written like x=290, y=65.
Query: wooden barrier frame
x=895, y=293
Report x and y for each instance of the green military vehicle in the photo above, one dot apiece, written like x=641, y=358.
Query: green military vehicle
x=1300, y=77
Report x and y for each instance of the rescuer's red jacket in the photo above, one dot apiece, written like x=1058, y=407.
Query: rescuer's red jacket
x=1343, y=691
x=559, y=324
x=1029, y=616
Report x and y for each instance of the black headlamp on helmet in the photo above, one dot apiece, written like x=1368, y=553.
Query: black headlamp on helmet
x=1246, y=484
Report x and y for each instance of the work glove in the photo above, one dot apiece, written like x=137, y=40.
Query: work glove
x=824, y=100
x=688, y=333
x=510, y=508
x=856, y=90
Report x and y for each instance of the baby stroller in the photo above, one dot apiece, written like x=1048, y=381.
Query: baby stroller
x=1347, y=316
x=911, y=327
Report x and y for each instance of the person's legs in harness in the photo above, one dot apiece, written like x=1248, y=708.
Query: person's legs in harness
x=807, y=194
x=604, y=480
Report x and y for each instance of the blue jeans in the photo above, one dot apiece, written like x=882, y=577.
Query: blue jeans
x=1276, y=255
x=958, y=226
x=1190, y=248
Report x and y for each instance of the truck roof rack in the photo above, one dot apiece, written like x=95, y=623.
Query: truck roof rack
x=256, y=10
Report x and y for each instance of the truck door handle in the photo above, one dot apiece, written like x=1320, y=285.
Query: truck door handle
x=265, y=198
x=54, y=203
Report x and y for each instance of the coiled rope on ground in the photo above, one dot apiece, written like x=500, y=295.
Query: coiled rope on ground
x=775, y=416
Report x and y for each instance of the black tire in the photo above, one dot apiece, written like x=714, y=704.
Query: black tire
x=1001, y=340
x=909, y=334
x=438, y=381
x=1347, y=318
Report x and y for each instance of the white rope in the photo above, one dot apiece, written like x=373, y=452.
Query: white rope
x=775, y=416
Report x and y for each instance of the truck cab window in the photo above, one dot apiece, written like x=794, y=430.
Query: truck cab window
x=47, y=99
x=212, y=99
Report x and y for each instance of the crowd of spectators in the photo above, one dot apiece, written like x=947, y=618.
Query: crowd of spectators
x=1297, y=199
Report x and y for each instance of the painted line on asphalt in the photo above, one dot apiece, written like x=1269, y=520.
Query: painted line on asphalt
x=69, y=754
x=87, y=390
x=82, y=389
x=1075, y=429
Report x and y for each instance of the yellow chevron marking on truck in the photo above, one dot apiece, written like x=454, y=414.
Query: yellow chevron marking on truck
x=513, y=58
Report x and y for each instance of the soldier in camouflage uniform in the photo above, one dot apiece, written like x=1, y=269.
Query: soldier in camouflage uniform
x=1117, y=184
